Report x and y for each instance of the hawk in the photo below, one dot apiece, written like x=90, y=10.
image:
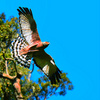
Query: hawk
x=29, y=45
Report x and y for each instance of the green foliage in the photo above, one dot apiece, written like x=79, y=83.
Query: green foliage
x=30, y=89
x=8, y=31
x=43, y=89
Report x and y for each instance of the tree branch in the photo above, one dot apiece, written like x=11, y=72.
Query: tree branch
x=6, y=67
x=14, y=79
x=6, y=75
x=13, y=62
x=29, y=76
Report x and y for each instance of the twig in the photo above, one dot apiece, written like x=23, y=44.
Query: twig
x=29, y=76
x=52, y=93
x=32, y=68
x=6, y=67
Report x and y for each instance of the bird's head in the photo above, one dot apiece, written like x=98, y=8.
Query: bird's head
x=45, y=44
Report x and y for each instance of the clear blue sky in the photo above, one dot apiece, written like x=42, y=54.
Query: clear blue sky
x=72, y=27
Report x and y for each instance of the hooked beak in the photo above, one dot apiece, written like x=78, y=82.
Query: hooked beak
x=48, y=43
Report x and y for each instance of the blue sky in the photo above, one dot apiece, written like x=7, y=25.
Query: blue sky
x=72, y=27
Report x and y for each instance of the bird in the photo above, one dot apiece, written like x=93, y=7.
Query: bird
x=29, y=45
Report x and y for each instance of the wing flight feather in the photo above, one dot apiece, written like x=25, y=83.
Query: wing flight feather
x=28, y=26
x=43, y=61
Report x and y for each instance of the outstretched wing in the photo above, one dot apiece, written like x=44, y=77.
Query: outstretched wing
x=46, y=63
x=28, y=26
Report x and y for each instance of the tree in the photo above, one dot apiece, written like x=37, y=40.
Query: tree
x=9, y=71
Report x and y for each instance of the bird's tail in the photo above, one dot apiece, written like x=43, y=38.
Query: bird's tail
x=17, y=45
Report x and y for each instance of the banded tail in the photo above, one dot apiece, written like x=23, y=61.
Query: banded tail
x=17, y=45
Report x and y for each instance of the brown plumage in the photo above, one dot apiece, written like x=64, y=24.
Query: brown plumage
x=30, y=46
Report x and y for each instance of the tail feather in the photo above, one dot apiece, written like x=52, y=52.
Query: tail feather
x=17, y=45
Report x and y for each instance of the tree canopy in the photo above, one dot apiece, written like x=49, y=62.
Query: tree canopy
x=31, y=90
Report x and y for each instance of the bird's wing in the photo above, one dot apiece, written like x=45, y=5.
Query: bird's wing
x=28, y=26
x=46, y=63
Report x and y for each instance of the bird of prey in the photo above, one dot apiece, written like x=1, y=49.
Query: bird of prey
x=29, y=45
